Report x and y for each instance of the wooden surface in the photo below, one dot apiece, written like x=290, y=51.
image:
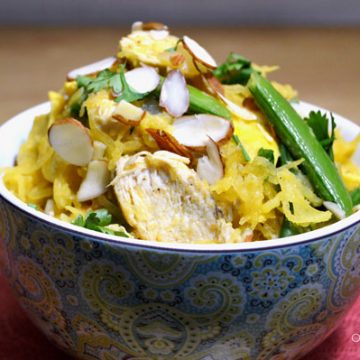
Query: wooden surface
x=322, y=64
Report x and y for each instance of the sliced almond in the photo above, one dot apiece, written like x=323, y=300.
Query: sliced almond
x=174, y=96
x=165, y=141
x=128, y=113
x=236, y=109
x=212, y=83
x=198, y=52
x=50, y=207
x=99, y=150
x=210, y=166
x=159, y=34
x=93, y=68
x=95, y=182
x=137, y=26
x=193, y=131
x=177, y=59
x=152, y=25
x=335, y=209
x=71, y=141
x=143, y=79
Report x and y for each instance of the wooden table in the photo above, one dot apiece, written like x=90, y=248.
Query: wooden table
x=323, y=64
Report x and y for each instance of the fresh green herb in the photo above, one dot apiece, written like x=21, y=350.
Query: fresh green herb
x=288, y=229
x=103, y=80
x=173, y=49
x=300, y=140
x=76, y=101
x=267, y=154
x=235, y=70
x=115, y=84
x=355, y=196
x=33, y=206
x=241, y=146
x=319, y=124
x=285, y=156
x=127, y=93
x=99, y=220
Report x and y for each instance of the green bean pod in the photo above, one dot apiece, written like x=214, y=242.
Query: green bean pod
x=293, y=131
x=201, y=102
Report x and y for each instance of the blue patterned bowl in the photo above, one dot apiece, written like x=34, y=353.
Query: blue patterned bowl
x=108, y=298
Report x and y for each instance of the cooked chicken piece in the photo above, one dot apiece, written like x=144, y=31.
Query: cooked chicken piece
x=164, y=200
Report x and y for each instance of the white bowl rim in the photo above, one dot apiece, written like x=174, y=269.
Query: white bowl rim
x=312, y=236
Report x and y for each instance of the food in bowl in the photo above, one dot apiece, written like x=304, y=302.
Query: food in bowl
x=100, y=298
x=160, y=143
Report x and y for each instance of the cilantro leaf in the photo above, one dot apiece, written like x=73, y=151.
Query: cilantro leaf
x=115, y=84
x=105, y=79
x=102, y=81
x=127, y=93
x=267, y=154
x=100, y=220
x=83, y=81
x=235, y=70
x=241, y=146
x=319, y=123
x=108, y=79
x=355, y=196
x=87, y=85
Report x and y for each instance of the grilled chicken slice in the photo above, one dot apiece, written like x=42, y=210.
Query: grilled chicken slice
x=163, y=199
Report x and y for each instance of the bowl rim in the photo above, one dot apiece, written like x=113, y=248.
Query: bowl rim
x=312, y=236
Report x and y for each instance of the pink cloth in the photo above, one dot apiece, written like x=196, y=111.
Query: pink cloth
x=21, y=340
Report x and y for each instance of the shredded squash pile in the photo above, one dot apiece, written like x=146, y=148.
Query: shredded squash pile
x=255, y=192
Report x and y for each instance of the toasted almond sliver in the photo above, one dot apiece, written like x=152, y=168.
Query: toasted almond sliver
x=165, y=141
x=99, y=150
x=242, y=112
x=137, y=26
x=159, y=34
x=198, y=52
x=71, y=141
x=193, y=131
x=50, y=207
x=210, y=166
x=152, y=25
x=128, y=113
x=335, y=209
x=174, y=96
x=93, y=68
x=96, y=180
x=212, y=83
x=143, y=79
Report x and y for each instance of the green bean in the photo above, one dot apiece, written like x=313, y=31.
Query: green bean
x=293, y=131
x=201, y=102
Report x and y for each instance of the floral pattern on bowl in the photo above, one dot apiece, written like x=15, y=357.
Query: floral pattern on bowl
x=110, y=300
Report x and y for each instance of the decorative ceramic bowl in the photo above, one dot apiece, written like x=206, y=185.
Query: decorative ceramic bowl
x=110, y=298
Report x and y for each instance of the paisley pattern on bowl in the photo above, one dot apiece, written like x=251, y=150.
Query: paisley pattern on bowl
x=111, y=300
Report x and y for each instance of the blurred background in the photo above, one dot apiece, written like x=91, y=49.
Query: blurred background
x=316, y=42
x=181, y=12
